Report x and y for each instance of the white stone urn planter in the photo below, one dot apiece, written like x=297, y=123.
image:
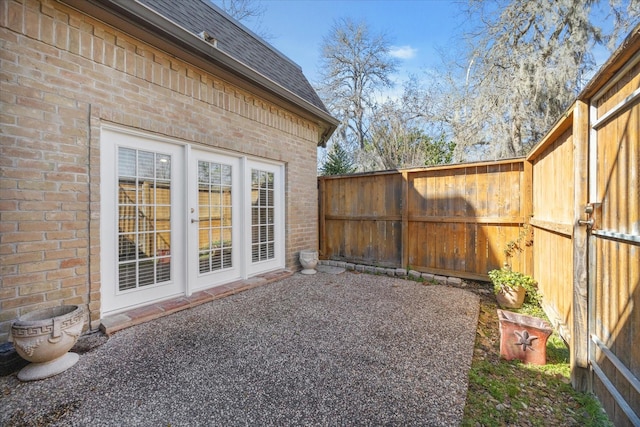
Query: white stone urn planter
x=44, y=337
x=309, y=260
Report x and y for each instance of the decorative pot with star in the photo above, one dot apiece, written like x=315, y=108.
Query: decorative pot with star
x=44, y=337
x=523, y=337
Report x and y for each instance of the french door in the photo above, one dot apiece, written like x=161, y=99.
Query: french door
x=263, y=216
x=140, y=228
x=176, y=219
x=214, y=219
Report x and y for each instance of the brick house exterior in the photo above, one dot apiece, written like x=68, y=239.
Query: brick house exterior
x=87, y=83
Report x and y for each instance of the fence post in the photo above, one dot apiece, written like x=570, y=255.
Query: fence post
x=322, y=207
x=527, y=209
x=579, y=358
x=404, y=203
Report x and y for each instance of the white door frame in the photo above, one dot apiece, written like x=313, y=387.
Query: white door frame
x=114, y=300
x=184, y=233
x=197, y=281
x=278, y=261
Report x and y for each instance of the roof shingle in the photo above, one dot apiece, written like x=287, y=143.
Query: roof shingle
x=238, y=42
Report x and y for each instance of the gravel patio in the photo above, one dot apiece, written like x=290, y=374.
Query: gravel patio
x=329, y=350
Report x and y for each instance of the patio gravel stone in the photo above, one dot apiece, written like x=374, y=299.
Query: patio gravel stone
x=347, y=349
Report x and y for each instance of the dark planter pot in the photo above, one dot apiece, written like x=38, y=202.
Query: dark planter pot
x=523, y=337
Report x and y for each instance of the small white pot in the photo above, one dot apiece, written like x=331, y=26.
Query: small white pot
x=309, y=260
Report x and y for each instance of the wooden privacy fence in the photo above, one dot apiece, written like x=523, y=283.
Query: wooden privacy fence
x=578, y=189
x=452, y=220
x=586, y=220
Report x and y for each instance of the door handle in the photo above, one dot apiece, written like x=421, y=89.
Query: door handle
x=587, y=222
x=194, y=220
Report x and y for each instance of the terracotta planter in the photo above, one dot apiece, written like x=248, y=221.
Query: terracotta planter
x=309, y=260
x=511, y=298
x=523, y=337
x=44, y=337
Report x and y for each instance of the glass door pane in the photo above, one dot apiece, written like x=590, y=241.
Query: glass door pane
x=215, y=222
x=262, y=215
x=144, y=218
x=213, y=243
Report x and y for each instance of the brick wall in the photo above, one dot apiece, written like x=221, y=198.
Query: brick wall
x=63, y=75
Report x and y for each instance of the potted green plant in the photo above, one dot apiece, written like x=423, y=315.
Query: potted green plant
x=511, y=287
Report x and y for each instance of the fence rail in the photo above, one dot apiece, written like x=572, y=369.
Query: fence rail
x=578, y=191
x=453, y=220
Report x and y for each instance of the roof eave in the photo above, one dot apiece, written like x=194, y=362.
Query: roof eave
x=151, y=27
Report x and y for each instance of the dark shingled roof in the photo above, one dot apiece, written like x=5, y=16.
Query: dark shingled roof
x=238, y=42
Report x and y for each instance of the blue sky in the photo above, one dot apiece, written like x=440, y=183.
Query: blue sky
x=416, y=28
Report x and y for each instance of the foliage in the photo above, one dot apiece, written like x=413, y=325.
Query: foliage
x=355, y=64
x=248, y=12
x=522, y=67
x=524, y=239
x=398, y=138
x=514, y=393
x=242, y=10
x=396, y=147
x=338, y=161
x=505, y=278
x=439, y=152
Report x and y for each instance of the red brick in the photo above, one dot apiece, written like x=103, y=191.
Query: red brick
x=77, y=300
x=22, y=174
x=8, y=205
x=61, y=254
x=8, y=281
x=21, y=216
x=38, y=226
x=8, y=227
x=38, y=266
x=73, y=281
x=37, y=288
x=60, y=197
x=74, y=262
x=21, y=258
x=60, y=273
x=61, y=236
x=8, y=315
x=21, y=301
x=15, y=13
x=39, y=165
x=59, y=294
x=38, y=246
x=144, y=312
x=60, y=216
x=38, y=206
x=20, y=237
x=15, y=194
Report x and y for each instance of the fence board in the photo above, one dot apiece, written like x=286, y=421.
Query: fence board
x=452, y=220
x=553, y=187
x=617, y=281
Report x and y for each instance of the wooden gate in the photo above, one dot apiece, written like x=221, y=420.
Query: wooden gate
x=613, y=216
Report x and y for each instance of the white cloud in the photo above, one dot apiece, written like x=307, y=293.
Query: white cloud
x=403, y=52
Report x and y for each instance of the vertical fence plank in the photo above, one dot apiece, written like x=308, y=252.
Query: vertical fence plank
x=452, y=220
x=527, y=209
x=579, y=359
x=322, y=205
x=404, y=213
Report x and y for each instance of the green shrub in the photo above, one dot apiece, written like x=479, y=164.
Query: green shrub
x=505, y=278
